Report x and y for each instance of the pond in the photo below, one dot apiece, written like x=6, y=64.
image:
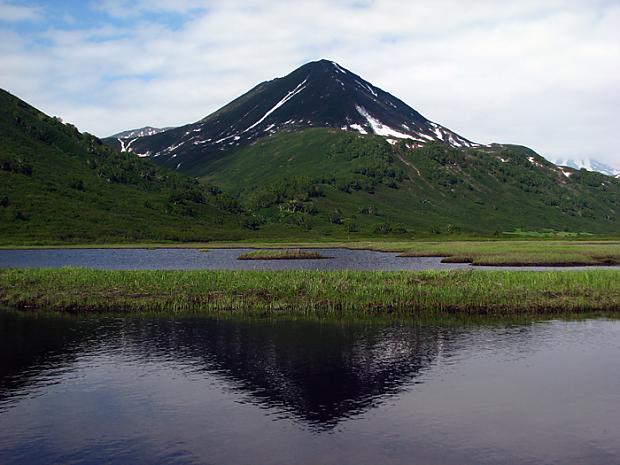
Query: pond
x=185, y=390
x=186, y=259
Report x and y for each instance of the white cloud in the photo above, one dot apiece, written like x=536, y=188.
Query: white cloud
x=10, y=12
x=542, y=74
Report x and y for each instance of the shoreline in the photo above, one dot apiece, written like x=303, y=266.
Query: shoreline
x=295, y=292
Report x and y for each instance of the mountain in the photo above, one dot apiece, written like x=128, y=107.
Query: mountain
x=297, y=157
x=590, y=165
x=318, y=94
x=122, y=141
x=321, y=151
x=60, y=185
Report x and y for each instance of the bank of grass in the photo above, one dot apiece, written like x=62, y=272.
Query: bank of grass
x=287, y=254
x=478, y=252
x=297, y=292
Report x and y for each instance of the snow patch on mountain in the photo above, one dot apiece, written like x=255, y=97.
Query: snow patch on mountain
x=379, y=128
x=135, y=133
x=359, y=128
x=286, y=98
x=338, y=68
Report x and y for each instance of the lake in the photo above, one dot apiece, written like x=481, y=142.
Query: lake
x=226, y=259
x=188, y=390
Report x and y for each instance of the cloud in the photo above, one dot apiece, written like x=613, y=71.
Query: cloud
x=12, y=13
x=542, y=74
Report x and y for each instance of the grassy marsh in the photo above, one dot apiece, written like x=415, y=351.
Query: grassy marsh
x=297, y=292
x=287, y=254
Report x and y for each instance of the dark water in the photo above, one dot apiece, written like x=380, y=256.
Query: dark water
x=226, y=259
x=196, y=390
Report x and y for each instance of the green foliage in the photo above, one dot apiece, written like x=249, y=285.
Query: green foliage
x=383, y=228
x=431, y=190
x=59, y=185
x=335, y=216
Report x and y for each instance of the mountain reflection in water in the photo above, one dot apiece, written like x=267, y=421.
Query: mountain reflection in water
x=188, y=390
x=318, y=372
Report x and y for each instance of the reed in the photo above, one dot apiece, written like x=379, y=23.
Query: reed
x=297, y=292
x=288, y=254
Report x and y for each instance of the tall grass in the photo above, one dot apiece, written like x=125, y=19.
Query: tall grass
x=312, y=292
x=288, y=254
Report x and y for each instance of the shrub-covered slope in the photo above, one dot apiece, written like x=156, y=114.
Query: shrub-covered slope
x=57, y=184
x=332, y=180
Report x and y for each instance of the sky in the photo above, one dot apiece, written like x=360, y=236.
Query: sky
x=540, y=73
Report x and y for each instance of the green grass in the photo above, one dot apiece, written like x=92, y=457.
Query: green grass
x=311, y=292
x=517, y=253
x=290, y=254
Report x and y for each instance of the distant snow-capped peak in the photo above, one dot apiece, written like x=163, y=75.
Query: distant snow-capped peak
x=590, y=165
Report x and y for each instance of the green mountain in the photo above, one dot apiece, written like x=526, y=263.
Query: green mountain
x=58, y=184
x=323, y=150
x=330, y=180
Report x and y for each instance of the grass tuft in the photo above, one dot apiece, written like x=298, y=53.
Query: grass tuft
x=294, y=254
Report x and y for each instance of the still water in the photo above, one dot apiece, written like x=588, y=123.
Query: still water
x=92, y=389
x=226, y=259
x=124, y=259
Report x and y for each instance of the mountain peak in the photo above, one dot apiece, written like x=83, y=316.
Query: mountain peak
x=317, y=94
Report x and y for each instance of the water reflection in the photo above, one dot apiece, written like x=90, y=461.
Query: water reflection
x=98, y=389
x=318, y=372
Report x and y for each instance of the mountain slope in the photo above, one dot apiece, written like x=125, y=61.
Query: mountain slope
x=328, y=180
x=60, y=185
x=318, y=94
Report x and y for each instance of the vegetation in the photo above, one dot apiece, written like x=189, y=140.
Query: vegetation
x=374, y=189
x=517, y=253
x=60, y=185
x=311, y=292
x=296, y=254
